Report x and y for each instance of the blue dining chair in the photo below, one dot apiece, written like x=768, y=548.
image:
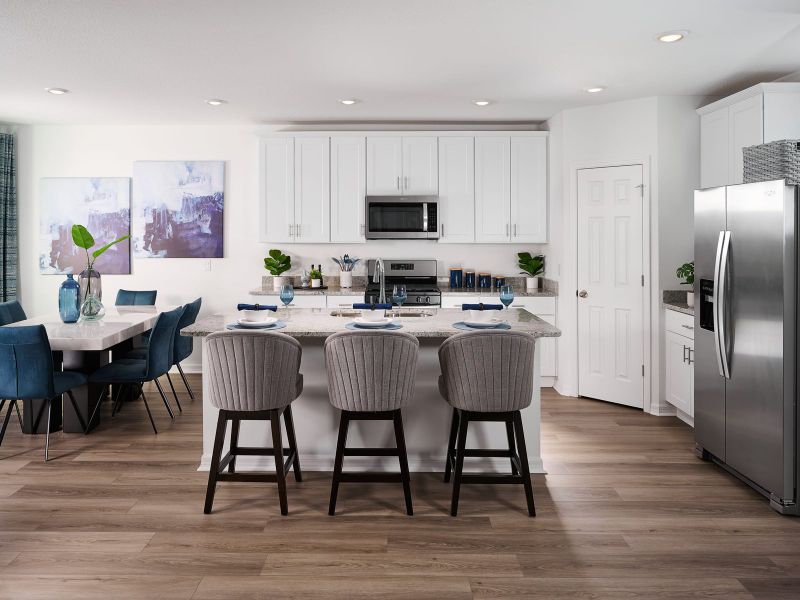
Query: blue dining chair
x=135, y=372
x=11, y=312
x=27, y=373
x=136, y=297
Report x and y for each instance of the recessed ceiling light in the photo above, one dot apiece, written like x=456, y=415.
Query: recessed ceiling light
x=57, y=91
x=349, y=101
x=668, y=37
x=482, y=102
x=595, y=90
x=216, y=102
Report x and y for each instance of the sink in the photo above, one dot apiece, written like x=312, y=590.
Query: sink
x=348, y=312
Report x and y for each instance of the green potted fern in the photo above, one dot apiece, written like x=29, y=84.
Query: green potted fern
x=532, y=267
x=277, y=263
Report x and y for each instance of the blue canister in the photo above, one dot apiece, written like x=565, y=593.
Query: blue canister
x=469, y=280
x=484, y=280
x=498, y=281
x=69, y=300
x=456, y=278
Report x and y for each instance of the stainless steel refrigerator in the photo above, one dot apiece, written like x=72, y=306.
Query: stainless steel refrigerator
x=746, y=333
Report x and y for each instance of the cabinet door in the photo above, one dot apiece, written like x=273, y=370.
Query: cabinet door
x=312, y=202
x=678, y=372
x=277, y=190
x=492, y=189
x=529, y=189
x=348, y=188
x=714, y=153
x=384, y=166
x=746, y=128
x=456, y=190
x=420, y=166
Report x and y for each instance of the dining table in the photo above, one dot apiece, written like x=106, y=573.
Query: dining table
x=85, y=346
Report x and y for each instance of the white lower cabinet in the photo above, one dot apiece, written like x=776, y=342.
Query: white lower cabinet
x=317, y=301
x=679, y=371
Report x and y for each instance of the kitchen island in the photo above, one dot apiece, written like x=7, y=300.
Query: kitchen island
x=426, y=421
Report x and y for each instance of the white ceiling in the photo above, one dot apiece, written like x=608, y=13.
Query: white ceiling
x=156, y=61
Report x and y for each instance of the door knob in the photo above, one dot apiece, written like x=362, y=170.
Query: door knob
x=583, y=293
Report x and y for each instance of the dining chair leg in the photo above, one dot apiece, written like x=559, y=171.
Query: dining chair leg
x=277, y=445
x=510, y=436
x=344, y=425
x=38, y=419
x=6, y=419
x=19, y=414
x=164, y=398
x=213, y=471
x=77, y=410
x=47, y=433
x=117, y=405
x=185, y=382
x=451, y=444
x=523, y=463
x=463, y=424
x=94, y=412
x=149, y=414
x=287, y=417
x=234, y=444
x=401, y=447
x=172, y=387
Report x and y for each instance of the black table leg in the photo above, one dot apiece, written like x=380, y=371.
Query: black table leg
x=86, y=396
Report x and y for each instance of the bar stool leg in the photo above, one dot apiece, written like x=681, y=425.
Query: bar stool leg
x=461, y=447
x=7, y=418
x=219, y=440
x=277, y=446
x=451, y=444
x=523, y=463
x=344, y=424
x=234, y=444
x=510, y=435
x=287, y=418
x=401, y=447
x=47, y=434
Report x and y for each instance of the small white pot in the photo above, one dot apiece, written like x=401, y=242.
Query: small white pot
x=531, y=283
x=346, y=279
x=690, y=299
x=315, y=283
x=279, y=280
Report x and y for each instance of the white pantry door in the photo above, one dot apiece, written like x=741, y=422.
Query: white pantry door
x=610, y=290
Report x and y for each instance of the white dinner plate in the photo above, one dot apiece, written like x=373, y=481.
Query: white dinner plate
x=267, y=322
x=362, y=322
x=483, y=324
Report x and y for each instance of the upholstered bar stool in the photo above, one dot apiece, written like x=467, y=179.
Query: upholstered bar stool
x=487, y=376
x=371, y=377
x=253, y=376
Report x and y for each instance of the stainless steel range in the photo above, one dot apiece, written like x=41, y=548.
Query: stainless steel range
x=419, y=277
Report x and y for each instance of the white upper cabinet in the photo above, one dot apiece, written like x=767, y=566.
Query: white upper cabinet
x=492, y=189
x=384, y=166
x=714, y=153
x=277, y=190
x=456, y=190
x=420, y=166
x=746, y=128
x=399, y=166
x=348, y=188
x=312, y=207
x=529, y=189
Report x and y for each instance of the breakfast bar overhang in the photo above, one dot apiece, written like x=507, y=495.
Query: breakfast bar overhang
x=426, y=421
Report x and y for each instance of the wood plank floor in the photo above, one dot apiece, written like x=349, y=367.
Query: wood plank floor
x=626, y=511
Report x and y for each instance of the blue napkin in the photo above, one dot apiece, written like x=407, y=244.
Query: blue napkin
x=481, y=306
x=365, y=306
x=256, y=307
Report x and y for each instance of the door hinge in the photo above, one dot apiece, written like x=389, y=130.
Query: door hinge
x=642, y=370
x=641, y=189
x=642, y=280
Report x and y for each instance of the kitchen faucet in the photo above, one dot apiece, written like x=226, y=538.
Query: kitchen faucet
x=376, y=277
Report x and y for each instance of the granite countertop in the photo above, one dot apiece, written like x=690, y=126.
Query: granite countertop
x=680, y=307
x=518, y=292
x=319, y=323
x=332, y=290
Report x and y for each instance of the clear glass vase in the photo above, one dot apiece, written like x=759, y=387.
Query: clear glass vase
x=91, y=287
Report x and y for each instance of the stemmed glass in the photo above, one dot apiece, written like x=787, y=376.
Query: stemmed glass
x=287, y=294
x=399, y=296
x=506, y=295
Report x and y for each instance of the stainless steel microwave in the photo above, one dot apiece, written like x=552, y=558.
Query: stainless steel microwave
x=402, y=217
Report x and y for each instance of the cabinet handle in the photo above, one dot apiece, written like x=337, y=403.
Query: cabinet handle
x=691, y=351
x=684, y=353
x=506, y=229
x=398, y=182
x=290, y=230
x=405, y=182
x=442, y=234
x=687, y=326
x=298, y=230
x=515, y=230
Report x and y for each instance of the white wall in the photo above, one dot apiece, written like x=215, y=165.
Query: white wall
x=109, y=151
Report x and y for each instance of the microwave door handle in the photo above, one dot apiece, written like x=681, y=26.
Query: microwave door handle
x=715, y=303
x=424, y=216
x=722, y=305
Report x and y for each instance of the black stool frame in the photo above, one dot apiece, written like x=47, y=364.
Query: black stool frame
x=282, y=466
x=400, y=451
x=457, y=451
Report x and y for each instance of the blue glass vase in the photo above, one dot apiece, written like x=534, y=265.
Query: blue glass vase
x=69, y=300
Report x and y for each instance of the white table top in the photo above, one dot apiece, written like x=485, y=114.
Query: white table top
x=119, y=324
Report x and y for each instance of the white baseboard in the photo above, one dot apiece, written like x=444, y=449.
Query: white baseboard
x=416, y=464
x=685, y=417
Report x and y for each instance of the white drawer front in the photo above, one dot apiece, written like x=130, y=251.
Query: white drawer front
x=344, y=301
x=679, y=323
x=538, y=305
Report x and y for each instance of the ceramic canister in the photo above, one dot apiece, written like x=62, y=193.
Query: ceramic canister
x=484, y=280
x=456, y=278
x=498, y=281
x=469, y=279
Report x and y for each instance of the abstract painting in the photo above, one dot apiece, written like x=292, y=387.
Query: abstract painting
x=102, y=204
x=178, y=209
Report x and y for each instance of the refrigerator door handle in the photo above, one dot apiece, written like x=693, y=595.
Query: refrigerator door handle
x=715, y=305
x=721, y=308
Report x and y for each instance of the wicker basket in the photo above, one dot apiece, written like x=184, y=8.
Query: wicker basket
x=775, y=160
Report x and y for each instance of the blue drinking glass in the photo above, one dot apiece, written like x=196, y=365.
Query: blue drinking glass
x=506, y=295
x=287, y=294
x=399, y=295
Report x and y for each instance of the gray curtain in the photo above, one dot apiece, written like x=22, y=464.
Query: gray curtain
x=8, y=219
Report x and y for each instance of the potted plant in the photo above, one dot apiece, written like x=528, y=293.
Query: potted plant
x=89, y=280
x=532, y=267
x=277, y=263
x=686, y=272
x=316, y=277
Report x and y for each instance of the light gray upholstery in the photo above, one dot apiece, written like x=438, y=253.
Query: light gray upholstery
x=487, y=371
x=253, y=370
x=371, y=371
